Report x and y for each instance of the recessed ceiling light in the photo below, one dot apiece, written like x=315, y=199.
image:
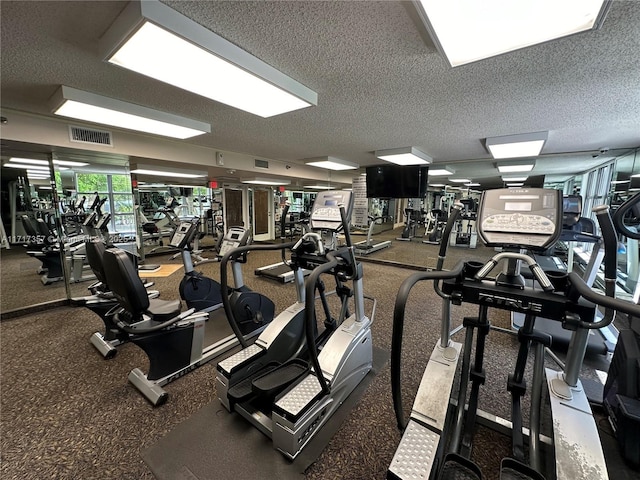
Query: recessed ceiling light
x=332, y=163
x=318, y=187
x=404, y=156
x=459, y=180
x=162, y=173
x=152, y=39
x=465, y=31
x=513, y=179
x=74, y=103
x=266, y=181
x=435, y=172
x=519, y=184
x=516, y=167
x=33, y=161
x=516, y=146
x=26, y=166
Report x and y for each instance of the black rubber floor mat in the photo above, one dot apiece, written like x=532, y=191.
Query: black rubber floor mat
x=214, y=444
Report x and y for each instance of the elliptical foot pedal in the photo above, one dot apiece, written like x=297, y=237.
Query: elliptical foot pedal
x=511, y=469
x=273, y=382
x=457, y=467
x=242, y=391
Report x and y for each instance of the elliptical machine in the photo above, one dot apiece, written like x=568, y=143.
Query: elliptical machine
x=281, y=384
x=622, y=388
x=511, y=219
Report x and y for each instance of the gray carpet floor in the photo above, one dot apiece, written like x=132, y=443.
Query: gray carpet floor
x=67, y=413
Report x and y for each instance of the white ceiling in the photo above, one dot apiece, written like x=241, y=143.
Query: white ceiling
x=379, y=84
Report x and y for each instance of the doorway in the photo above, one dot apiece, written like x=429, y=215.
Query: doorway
x=262, y=214
x=233, y=208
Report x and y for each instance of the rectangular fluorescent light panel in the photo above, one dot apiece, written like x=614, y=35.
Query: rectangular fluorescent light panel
x=435, y=172
x=318, y=187
x=513, y=179
x=515, y=168
x=460, y=180
x=62, y=163
x=516, y=146
x=266, y=181
x=519, y=184
x=332, y=163
x=27, y=167
x=74, y=103
x=160, y=173
x=152, y=39
x=404, y=156
x=467, y=30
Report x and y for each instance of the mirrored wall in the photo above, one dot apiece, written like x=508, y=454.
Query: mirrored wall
x=31, y=259
x=51, y=202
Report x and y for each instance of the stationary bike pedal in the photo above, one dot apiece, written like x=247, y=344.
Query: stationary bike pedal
x=273, y=382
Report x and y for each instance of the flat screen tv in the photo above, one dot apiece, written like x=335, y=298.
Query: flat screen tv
x=397, y=181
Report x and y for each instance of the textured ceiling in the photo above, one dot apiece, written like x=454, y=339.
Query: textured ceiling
x=379, y=85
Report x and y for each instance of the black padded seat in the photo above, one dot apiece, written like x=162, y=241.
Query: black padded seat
x=163, y=310
x=122, y=277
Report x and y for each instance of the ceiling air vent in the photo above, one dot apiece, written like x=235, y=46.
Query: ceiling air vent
x=261, y=163
x=90, y=135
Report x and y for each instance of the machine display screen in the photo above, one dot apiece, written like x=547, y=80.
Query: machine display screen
x=331, y=203
x=518, y=206
x=523, y=218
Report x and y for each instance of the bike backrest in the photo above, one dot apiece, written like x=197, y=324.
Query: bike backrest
x=123, y=280
x=95, y=249
x=28, y=226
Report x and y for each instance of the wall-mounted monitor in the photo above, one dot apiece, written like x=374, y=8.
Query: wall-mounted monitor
x=397, y=181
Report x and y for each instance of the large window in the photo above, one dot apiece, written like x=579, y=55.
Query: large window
x=117, y=189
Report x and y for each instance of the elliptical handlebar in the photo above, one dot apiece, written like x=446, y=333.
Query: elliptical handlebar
x=283, y=221
x=345, y=226
x=618, y=217
x=398, y=328
x=610, y=240
x=580, y=287
x=309, y=315
x=224, y=283
x=453, y=217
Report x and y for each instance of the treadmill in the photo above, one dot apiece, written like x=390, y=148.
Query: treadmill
x=365, y=247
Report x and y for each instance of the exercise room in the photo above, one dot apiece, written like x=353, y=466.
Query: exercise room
x=320, y=240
